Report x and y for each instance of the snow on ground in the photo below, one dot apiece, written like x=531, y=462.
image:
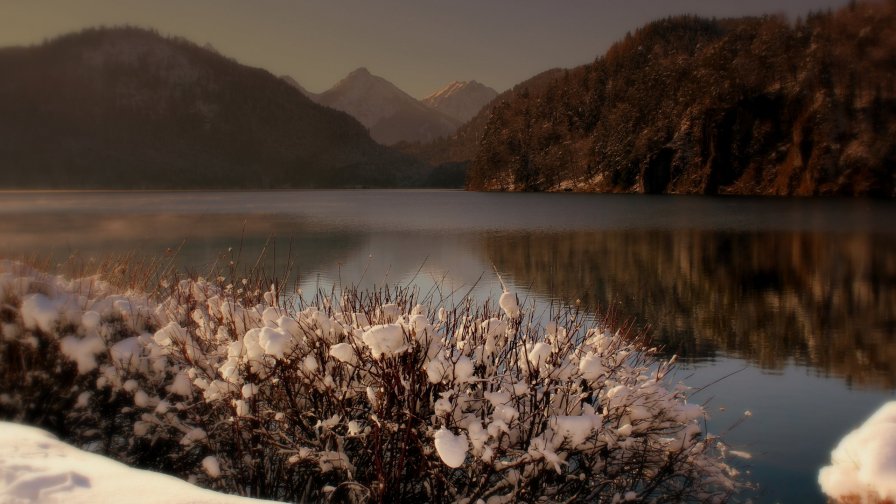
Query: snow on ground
x=35, y=467
x=863, y=465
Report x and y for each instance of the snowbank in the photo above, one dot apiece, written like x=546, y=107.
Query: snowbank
x=35, y=467
x=863, y=465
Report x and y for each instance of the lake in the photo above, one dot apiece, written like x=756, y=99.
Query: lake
x=790, y=304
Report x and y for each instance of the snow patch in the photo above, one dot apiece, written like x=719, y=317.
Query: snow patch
x=343, y=352
x=82, y=350
x=863, y=465
x=40, y=312
x=38, y=468
x=211, y=466
x=509, y=304
x=452, y=449
x=385, y=340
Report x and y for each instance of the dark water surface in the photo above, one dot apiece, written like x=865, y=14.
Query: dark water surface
x=797, y=296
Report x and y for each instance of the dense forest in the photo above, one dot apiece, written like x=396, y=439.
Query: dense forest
x=690, y=105
x=127, y=108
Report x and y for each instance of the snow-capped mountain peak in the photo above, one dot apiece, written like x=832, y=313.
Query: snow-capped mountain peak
x=391, y=114
x=448, y=90
x=461, y=99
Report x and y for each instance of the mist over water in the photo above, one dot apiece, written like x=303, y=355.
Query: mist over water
x=796, y=297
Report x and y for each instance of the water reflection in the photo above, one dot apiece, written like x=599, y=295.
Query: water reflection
x=826, y=300
x=812, y=281
x=194, y=241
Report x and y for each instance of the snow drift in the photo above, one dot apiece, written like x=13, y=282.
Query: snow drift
x=863, y=465
x=38, y=468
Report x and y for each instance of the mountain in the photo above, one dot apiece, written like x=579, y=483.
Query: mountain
x=461, y=99
x=459, y=149
x=127, y=108
x=294, y=83
x=690, y=105
x=389, y=113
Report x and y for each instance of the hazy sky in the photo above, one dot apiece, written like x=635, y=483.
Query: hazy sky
x=419, y=45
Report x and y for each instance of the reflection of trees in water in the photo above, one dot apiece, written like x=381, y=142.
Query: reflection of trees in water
x=826, y=300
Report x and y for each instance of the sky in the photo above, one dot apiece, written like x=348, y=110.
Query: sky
x=419, y=45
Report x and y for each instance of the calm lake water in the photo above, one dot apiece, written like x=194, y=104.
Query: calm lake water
x=796, y=297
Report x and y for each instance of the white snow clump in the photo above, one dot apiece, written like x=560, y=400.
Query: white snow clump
x=863, y=465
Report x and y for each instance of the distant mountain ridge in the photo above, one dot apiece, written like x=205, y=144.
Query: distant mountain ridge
x=127, y=108
x=461, y=99
x=393, y=116
x=390, y=114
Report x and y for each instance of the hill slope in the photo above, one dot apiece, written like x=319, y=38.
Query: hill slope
x=126, y=108
x=294, y=83
x=688, y=105
x=389, y=113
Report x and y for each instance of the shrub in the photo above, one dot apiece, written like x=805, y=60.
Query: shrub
x=352, y=396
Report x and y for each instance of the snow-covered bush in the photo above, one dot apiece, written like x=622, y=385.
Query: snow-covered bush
x=353, y=396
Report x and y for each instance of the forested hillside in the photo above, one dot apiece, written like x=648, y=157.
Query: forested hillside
x=690, y=105
x=127, y=108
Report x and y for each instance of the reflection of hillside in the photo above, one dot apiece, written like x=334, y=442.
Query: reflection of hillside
x=198, y=239
x=828, y=300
